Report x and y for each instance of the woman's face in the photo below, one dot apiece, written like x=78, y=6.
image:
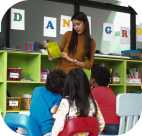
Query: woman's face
x=78, y=26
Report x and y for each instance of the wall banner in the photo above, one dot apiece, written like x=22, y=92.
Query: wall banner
x=108, y=33
x=49, y=28
x=124, y=35
x=139, y=33
x=89, y=20
x=17, y=19
x=65, y=24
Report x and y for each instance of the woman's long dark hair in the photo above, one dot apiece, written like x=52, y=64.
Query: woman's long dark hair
x=77, y=89
x=74, y=37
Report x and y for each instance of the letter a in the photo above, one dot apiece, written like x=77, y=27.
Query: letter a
x=50, y=25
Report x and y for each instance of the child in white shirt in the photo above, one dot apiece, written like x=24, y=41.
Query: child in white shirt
x=76, y=102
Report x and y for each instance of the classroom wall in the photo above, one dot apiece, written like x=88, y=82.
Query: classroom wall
x=4, y=24
x=34, y=14
x=35, y=10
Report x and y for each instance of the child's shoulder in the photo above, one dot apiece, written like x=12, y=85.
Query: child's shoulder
x=39, y=90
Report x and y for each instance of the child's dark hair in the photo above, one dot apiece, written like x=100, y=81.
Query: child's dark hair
x=77, y=90
x=55, y=81
x=101, y=74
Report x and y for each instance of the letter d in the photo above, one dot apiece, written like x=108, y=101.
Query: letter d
x=17, y=17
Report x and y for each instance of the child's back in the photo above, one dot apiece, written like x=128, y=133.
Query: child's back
x=45, y=98
x=105, y=98
x=76, y=101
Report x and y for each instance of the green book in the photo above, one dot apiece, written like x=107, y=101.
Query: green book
x=53, y=50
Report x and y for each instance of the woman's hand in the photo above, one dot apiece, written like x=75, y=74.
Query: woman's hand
x=65, y=55
x=79, y=63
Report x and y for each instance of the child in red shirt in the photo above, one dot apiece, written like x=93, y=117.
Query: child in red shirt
x=105, y=97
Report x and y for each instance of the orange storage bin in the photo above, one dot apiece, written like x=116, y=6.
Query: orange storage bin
x=26, y=100
x=13, y=103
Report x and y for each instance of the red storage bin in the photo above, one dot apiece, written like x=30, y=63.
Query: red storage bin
x=14, y=74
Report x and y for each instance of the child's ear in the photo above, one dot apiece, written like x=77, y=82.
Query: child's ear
x=54, y=109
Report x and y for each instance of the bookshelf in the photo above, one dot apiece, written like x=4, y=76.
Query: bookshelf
x=32, y=64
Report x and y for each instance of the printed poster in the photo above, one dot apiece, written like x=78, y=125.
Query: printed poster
x=50, y=26
x=108, y=33
x=89, y=20
x=139, y=33
x=17, y=19
x=65, y=24
x=124, y=35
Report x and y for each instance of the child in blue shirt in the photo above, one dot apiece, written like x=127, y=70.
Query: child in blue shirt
x=45, y=99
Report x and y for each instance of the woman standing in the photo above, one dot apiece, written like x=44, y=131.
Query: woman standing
x=77, y=46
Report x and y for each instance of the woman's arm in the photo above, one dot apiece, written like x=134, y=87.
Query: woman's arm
x=64, y=40
x=60, y=117
x=88, y=62
x=62, y=46
x=65, y=55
